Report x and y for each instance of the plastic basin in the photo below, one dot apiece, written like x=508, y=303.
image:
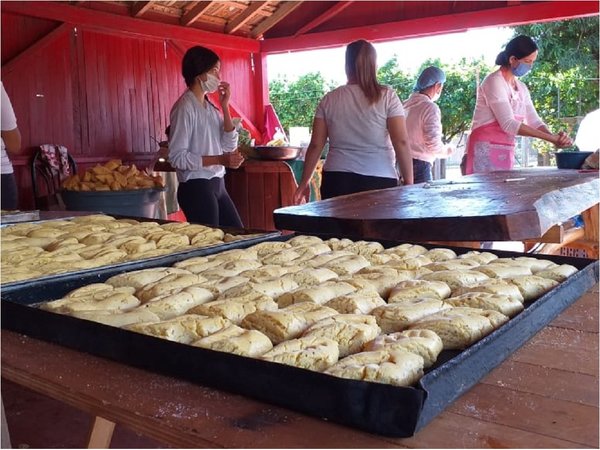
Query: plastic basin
x=137, y=203
x=570, y=160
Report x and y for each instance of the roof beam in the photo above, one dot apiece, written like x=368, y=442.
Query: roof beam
x=139, y=8
x=528, y=12
x=284, y=9
x=331, y=12
x=249, y=13
x=193, y=14
x=107, y=22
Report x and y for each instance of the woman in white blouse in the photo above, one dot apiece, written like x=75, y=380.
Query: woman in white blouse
x=366, y=127
x=504, y=110
x=203, y=142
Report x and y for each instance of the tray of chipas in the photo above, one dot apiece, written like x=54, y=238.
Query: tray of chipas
x=34, y=250
x=382, y=338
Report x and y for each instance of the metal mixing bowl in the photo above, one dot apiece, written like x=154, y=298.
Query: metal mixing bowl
x=277, y=153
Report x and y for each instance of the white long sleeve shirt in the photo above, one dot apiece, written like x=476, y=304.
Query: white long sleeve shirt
x=197, y=131
x=424, y=127
x=359, y=141
x=498, y=101
x=9, y=122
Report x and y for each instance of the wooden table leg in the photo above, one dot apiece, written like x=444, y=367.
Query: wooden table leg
x=101, y=433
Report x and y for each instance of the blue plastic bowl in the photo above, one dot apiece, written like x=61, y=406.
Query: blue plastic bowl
x=571, y=160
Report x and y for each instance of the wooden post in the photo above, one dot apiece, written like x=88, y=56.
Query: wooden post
x=101, y=433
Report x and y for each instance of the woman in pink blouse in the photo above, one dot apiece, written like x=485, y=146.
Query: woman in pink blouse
x=504, y=110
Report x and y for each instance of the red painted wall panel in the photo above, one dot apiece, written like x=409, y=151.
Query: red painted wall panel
x=102, y=94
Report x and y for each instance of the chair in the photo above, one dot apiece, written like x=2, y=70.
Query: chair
x=46, y=180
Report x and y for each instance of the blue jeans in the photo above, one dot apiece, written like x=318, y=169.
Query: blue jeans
x=422, y=171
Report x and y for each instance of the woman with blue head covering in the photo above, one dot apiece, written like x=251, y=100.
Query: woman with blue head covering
x=424, y=123
x=504, y=110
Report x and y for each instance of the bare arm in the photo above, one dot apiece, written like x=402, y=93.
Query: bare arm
x=12, y=141
x=313, y=153
x=560, y=139
x=397, y=128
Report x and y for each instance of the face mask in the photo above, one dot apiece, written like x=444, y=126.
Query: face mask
x=521, y=69
x=211, y=84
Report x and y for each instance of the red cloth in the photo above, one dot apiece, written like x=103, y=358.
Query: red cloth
x=271, y=124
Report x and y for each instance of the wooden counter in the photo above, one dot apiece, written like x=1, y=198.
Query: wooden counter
x=544, y=395
x=499, y=206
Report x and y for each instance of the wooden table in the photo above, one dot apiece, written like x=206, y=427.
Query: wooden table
x=545, y=395
x=499, y=206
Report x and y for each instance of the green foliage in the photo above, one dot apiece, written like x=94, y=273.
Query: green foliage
x=564, y=79
x=296, y=101
x=563, y=83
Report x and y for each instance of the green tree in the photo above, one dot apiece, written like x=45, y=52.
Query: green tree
x=296, y=101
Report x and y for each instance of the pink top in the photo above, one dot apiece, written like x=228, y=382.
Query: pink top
x=498, y=101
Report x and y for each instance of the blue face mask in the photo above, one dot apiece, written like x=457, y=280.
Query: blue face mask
x=521, y=69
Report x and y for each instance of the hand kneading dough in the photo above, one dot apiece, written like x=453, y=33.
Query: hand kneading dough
x=315, y=294
x=558, y=273
x=350, y=331
x=424, y=343
x=412, y=289
x=234, y=339
x=456, y=278
x=287, y=323
x=356, y=303
x=461, y=327
x=396, y=367
x=532, y=286
x=311, y=352
x=483, y=300
x=398, y=316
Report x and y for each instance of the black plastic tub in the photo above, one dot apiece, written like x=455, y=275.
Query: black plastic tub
x=373, y=407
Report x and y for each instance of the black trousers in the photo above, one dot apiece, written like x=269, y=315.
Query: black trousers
x=9, y=198
x=207, y=202
x=422, y=171
x=335, y=184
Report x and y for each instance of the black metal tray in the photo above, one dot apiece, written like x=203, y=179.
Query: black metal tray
x=157, y=261
x=377, y=408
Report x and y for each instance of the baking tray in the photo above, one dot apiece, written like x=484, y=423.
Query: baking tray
x=7, y=218
x=157, y=261
x=373, y=407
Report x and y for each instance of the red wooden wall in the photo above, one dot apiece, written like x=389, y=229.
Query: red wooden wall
x=101, y=93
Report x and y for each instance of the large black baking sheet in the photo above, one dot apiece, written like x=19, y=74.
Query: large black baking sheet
x=157, y=261
x=377, y=408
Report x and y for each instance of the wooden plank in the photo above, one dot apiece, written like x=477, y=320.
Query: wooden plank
x=193, y=14
x=451, y=430
x=322, y=18
x=582, y=315
x=244, y=17
x=549, y=417
x=101, y=433
x=527, y=12
x=100, y=20
x=575, y=346
x=271, y=199
x=283, y=10
x=480, y=207
x=568, y=385
x=139, y=8
x=256, y=195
